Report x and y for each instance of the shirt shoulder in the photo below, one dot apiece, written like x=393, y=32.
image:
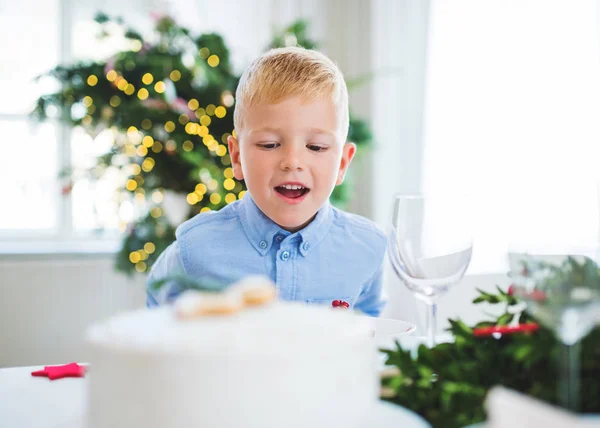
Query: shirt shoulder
x=363, y=233
x=205, y=222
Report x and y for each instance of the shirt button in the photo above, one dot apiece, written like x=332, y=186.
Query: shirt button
x=263, y=244
x=305, y=246
x=279, y=238
x=285, y=255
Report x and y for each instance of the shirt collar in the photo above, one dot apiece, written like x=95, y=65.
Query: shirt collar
x=261, y=230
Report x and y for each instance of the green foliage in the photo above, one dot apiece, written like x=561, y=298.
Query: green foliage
x=188, y=88
x=448, y=383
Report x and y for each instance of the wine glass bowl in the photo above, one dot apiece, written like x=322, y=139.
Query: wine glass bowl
x=429, y=249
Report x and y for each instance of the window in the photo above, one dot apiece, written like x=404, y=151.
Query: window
x=512, y=121
x=29, y=155
x=36, y=202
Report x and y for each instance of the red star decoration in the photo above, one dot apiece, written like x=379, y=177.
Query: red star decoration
x=58, y=372
x=340, y=304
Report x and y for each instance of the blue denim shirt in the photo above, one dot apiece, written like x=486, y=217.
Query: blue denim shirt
x=338, y=256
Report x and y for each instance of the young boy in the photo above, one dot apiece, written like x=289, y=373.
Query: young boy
x=291, y=124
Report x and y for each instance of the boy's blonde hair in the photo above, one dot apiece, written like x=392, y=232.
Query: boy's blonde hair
x=284, y=72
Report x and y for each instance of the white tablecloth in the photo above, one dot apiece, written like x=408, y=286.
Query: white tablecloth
x=37, y=402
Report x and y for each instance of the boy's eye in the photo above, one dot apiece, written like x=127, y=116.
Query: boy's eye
x=268, y=146
x=316, y=148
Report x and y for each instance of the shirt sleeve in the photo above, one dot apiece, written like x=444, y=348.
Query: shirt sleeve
x=372, y=299
x=168, y=263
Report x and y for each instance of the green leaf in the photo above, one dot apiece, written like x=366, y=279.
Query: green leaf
x=505, y=319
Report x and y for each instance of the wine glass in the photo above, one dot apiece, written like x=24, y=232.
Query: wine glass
x=562, y=291
x=429, y=249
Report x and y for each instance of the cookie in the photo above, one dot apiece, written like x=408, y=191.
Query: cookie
x=255, y=290
x=194, y=304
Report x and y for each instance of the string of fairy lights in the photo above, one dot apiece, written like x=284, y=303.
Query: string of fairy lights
x=140, y=144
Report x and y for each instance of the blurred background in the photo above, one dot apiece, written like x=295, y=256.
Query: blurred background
x=492, y=104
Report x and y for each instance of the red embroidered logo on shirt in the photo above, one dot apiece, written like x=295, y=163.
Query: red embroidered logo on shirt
x=340, y=304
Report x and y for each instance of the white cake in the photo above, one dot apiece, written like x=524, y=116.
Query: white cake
x=282, y=365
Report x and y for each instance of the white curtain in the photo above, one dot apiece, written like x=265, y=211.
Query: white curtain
x=512, y=121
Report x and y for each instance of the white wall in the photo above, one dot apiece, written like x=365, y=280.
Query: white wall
x=47, y=302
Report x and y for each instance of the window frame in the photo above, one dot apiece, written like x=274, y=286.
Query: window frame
x=63, y=239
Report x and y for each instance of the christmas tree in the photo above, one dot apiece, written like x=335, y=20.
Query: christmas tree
x=167, y=104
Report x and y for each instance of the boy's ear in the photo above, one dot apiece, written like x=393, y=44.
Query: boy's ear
x=348, y=153
x=234, y=153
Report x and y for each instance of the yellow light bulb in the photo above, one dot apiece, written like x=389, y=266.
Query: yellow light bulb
x=201, y=188
x=111, y=75
x=148, y=164
x=228, y=184
x=141, y=267
x=170, y=126
x=142, y=151
x=229, y=198
x=135, y=169
x=147, y=79
x=192, y=198
x=220, y=112
x=213, y=60
x=204, y=53
x=134, y=257
x=92, y=80
x=148, y=141
x=131, y=185
x=149, y=247
x=157, y=147
x=159, y=87
x=143, y=94
x=129, y=89
x=205, y=120
x=115, y=101
x=203, y=131
x=183, y=119
x=221, y=150
x=188, y=146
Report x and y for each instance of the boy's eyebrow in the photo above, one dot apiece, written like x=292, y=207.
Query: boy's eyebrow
x=313, y=131
x=266, y=129
x=322, y=131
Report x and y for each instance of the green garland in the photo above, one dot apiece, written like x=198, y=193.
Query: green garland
x=168, y=101
x=448, y=384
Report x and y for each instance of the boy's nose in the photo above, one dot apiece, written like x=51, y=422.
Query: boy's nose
x=292, y=160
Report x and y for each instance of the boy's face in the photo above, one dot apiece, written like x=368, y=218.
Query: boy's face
x=291, y=155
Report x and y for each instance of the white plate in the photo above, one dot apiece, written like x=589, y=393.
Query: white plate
x=387, y=330
x=384, y=415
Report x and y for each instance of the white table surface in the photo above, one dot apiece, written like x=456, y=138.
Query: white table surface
x=37, y=402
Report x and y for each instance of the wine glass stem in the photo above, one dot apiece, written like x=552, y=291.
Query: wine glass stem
x=431, y=322
x=568, y=387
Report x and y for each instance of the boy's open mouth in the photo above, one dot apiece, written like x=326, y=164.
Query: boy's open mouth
x=292, y=191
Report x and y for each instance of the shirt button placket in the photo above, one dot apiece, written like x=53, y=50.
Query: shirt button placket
x=285, y=274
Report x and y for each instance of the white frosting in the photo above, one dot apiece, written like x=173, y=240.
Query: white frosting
x=282, y=365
